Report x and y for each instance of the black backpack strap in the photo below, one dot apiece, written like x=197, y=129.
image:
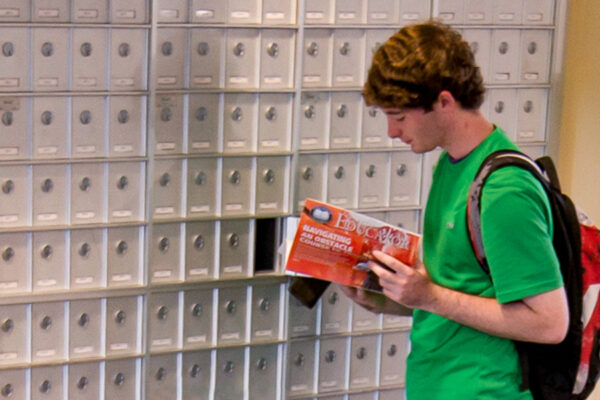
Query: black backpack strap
x=494, y=161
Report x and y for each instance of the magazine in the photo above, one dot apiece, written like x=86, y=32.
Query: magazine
x=334, y=244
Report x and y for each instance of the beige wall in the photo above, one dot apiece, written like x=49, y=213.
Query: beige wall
x=579, y=144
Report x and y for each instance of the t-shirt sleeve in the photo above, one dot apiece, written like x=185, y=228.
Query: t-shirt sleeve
x=516, y=225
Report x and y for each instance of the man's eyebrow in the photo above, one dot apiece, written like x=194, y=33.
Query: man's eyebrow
x=394, y=112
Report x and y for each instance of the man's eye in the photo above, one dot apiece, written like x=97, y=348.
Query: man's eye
x=400, y=119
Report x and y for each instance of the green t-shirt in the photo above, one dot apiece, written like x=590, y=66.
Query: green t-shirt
x=448, y=360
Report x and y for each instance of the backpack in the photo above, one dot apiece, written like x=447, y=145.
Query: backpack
x=570, y=369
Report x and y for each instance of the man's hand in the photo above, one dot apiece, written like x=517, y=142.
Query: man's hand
x=375, y=302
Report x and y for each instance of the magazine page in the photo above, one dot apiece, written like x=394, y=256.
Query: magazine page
x=335, y=245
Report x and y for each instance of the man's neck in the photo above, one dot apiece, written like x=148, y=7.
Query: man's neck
x=467, y=131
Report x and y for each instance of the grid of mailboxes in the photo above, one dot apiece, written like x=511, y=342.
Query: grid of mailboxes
x=150, y=154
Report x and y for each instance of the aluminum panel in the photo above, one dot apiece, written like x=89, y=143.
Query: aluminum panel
x=229, y=371
x=449, y=11
x=332, y=365
x=240, y=124
x=235, y=249
x=363, y=361
x=48, y=383
x=15, y=11
x=15, y=54
x=200, y=250
x=276, y=12
x=14, y=335
x=123, y=325
x=209, y=11
x=503, y=110
x=89, y=11
x=48, y=332
x=164, y=328
x=126, y=126
x=88, y=127
x=197, y=318
x=349, y=12
x=531, y=115
x=15, y=131
x=304, y=322
x=196, y=375
x=374, y=180
x=88, y=52
x=363, y=319
x=244, y=11
x=480, y=41
x=412, y=11
x=317, y=57
x=319, y=11
x=405, y=178
x=263, y=373
x=535, y=56
x=342, y=180
x=88, y=189
x=173, y=11
x=394, y=349
x=86, y=325
x=128, y=11
x=85, y=380
x=207, y=57
x=171, y=46
x=407, y=219
x=274, y=122
x=345, y=120
x=167, y=188
x=242, y=58
x=277, y=58
x=49, y=194
x=15, y=263
x=232, y=315
x=122, y=379
x=311, y=179
x=49, y=135
x=478, y=11
x=50, y=49
x=50, y=10
x=163, y=376
x=300, y=367
x=374, y=128
x=237, y=186
x=382, y=12
x=128, y=54
x=49, y=264
x=348, y=57
x=508, y=12
x=314, y=120
x=265, y=314
x=505, y=49
x=15, y=196
x=335, y=311
x=124, y=262
x=87, y=259
x=126, y=182
x=203, y=179
x=538, y=12
x=15, y=382
x=165, y=254
x=204, y=122
x=272, y=185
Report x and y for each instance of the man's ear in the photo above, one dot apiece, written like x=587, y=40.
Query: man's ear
x=445, y=101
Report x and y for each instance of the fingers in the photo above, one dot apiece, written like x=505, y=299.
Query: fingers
x=392, y=263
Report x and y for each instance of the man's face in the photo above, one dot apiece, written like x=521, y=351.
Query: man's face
x=419, y=129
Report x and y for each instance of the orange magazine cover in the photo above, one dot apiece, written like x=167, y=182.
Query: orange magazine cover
x=335, y=244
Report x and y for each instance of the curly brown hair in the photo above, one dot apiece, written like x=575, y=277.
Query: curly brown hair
x=419, y=61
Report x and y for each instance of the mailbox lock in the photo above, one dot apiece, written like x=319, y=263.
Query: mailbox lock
x=373, y=112
x=237, y=114
x=271, y=113
x=370, y=172
x=161, y=374
x=46, y=117
x=532, y=48
x=239, y=49
x=342, y=110
x=273, y=49
x=8, y=254
x=262, y=364
x=84, y=250
x=197, y=310
x=45, y=386
x=7, y=390
x=503, y=48
x=119, y=379
x=361, y=353
x=392, y=350
x=375, y=47
x=162, y=313
x=528, y=106
x=124, y=49
x=235, y=177
x=195, y=371
x=201, y=114
x=264, y=304
x=85, y=184
x=198, y=242
x=46, y=323
x=230, y=307
x=330, y=356
x=84, y=319
x=122, y=182
x=401, y=170
x=307, y=173
x=47, y=252
x=200, y=178
x=7, y=118
x=234, y=240
x=8, y=49
x=120, y=317
x=499, y=107
x=345, y=49
x=123, y=116
x=165, y=179
x=85, y=117
x=309, y=111
x=299, y=361
x=339, y=172
x=269, y=176
x=86, y=49
x=203, y=48
x=166, y=114
x=8, y=186
x=82, y=383
x=333, y=298
x=167, y=48
x=47, y=185
x=474, y=47
x=122, y=247
x=47, y=49
x=7, y=325
x=229, y=367
x=313, y=49
x=163, y=245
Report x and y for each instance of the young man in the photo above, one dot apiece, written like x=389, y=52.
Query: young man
x=424, y=78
